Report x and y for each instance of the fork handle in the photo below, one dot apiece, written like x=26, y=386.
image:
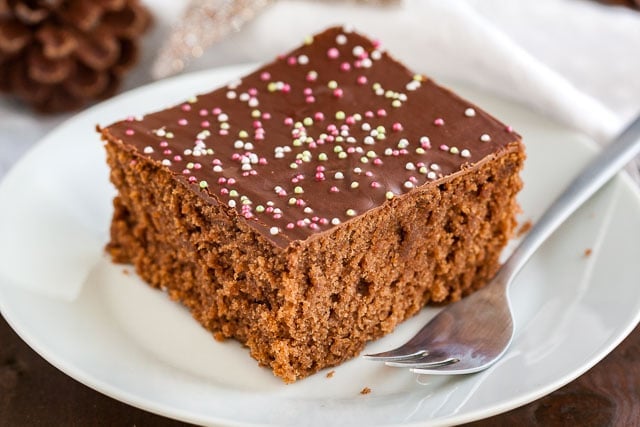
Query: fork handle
x=597, y=173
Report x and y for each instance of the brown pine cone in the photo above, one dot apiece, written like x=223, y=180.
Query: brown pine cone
x=57, y=55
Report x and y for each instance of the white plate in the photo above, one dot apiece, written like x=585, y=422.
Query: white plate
x=118, y=336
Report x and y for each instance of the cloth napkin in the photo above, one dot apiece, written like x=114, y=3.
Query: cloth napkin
x=576, y=61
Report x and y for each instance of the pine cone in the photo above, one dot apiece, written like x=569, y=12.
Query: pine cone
x=57, y=55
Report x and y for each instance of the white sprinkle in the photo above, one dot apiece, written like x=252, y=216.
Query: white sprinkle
x=148, y=149
x=408, y=184
x=341, y=39
x=335, y=221
x=357, y=50
x=465, y=153
x=403, y=143
x=232, y=203
x=166, y=162
x=369, y=140
x=485, y=137
x=223, y=117
x=303, y=59
x=274, y=230
x=338, y=175
x=238, y=144
x=231, y=94
x=376, y=54
x=410, y=166
x=470, y=112
x=217, y=168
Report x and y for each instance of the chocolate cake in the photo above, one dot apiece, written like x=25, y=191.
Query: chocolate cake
x=314, y=204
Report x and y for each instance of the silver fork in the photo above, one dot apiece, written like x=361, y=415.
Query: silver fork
x=473, y=333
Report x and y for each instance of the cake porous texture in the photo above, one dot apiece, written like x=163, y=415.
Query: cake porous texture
x=314, y=204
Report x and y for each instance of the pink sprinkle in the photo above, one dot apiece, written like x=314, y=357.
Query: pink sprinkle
x=397, y=126
x=351, y=150
x=290, y=226
x=444, y=147
x=396, y=153
x=177, y=158
x=361, y=80
x=300, y=223
x=203, y=112
x=333, y=53
x=310, y=99
x=223, y=132
x=307, y=91
x=376, y=43
x=332, y=128
x=358, y=64
x=300, y=202
x=413, y=179
x=197, y=166
x=313, y=226
x=235, y=156
x=130, y=119
x=312, y=77
x=186, y=107
x=164, y=144
x=257, y=124
x=192, y=179
x=286, y=88
x=205, y=123
x=129, y=132
x=166, y=152
x=509, y=129
x=288, y=121
x=262, y=161
x=182, y=122
x=216, y=111
x=265, y=76
x=292, y=60
x=269, y=209
x=381, y=112
x=368, y=173
x=375, y=184
x=252, y=91
x=320, y=176
x=186, y=171
x=439, y=121
x=319, y=116
x=377, y=161
x=338, y=92
x=259, y=136
x=222, y=180
x=369, y=114
x=324, y=221
x=277, y=216
x=216, y=162
x=345, y=66
x=351, y=120
x=231, y=181
x=282, y=193
x=404, y=151
x=334, y=189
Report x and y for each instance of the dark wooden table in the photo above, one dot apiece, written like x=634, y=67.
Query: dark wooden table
x=34, y=393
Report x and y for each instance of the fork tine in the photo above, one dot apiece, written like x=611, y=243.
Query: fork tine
x=424, y=364
x=395, y=356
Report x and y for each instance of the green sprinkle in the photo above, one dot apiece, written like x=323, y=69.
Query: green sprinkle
x=323, y=157
x=203, y=184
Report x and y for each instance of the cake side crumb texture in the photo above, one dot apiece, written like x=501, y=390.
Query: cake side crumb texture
x=314, y=204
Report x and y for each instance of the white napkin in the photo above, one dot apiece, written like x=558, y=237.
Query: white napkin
x=573, y=60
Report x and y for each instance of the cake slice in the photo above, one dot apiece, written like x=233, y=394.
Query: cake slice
x=315, y=203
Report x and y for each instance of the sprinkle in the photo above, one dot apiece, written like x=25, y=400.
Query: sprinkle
x=129, y=132
x=355, y=184
x=408, y=184
x=303, y=59
x=338, y=175
x=340, y=115
x=485, y=137
x=358, y=51
x=454, y=150
x=361, y=80
x=439, y=121
x=397, y=127
x=350, y=212
x=333, y=53
x=335, y=221
x=274, y=230
x=465, y=153
x=148, y=149
x=470, y=112
x=203, y=184
x=341, y=39
x=389, y=195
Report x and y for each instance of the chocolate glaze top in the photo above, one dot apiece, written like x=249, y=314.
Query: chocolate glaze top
x=321, y=135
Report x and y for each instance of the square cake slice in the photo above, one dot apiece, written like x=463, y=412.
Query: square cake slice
x=314, y=204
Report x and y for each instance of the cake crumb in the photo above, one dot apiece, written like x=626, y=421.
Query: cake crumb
x=588, y=252
x=331, y=373
x=365, y=390
x=526, y=226
x=126, y=272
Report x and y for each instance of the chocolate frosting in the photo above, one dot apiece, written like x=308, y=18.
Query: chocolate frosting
x=319, y=136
